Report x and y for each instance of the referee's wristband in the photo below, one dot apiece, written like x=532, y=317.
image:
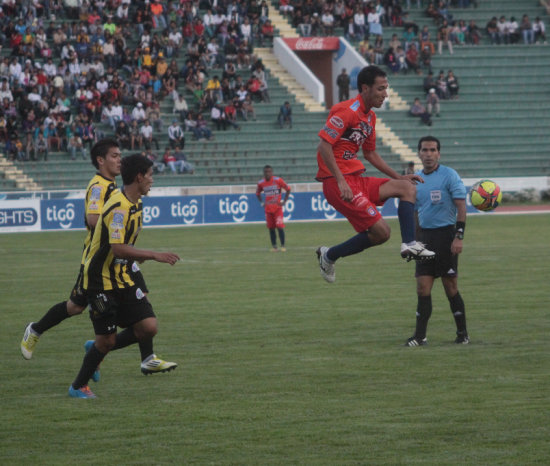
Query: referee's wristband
x=460, y=227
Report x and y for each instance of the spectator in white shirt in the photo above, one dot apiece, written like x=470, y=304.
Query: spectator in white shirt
x=102, y=85
x=146, y=132
x=138, y=113
x=50, y=69
x=176, y=135
x=327, y=20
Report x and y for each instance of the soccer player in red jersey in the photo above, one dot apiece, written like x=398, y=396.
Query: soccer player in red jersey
x=271, y=186
x=350, y=126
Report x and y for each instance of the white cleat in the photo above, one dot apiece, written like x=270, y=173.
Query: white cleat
x=416, y=251
x=325, y=266
x=154, y=365
x=29, y=341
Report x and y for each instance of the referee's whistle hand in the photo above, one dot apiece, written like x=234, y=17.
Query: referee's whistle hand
x=413, y=178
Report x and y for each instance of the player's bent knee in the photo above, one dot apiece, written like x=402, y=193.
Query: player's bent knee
x=145, y=329
x=74, y=309
x=105, y=343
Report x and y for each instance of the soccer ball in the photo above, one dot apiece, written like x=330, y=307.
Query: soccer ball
x=485, y=195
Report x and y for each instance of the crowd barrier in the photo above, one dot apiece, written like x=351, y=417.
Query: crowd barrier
x=169, y=211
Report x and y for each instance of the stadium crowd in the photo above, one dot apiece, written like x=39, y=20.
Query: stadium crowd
x=78, y=70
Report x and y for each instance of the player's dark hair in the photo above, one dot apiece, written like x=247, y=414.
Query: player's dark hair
x=268, y=166
x=132, y=166
x=429, y=139
x=368, y=75
x=101, y=148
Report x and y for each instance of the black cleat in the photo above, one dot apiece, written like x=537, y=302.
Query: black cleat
x=462, y=338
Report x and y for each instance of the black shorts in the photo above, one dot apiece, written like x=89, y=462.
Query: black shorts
x=137, y=277
x=78, y=295
x=118, y=308
x=438, y=240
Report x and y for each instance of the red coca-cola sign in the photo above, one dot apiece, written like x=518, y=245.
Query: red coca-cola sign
x=313, y=43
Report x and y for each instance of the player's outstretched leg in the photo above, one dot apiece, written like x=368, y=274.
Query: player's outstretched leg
x=55, y=315
x=423, y=313
x=410, y=248
x=406, y=192
x=273, y=238
x=92, y=359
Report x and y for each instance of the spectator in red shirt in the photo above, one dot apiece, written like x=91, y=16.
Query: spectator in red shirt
x=411, y=58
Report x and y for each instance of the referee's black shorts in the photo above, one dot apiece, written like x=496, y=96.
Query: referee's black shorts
x=438, y=240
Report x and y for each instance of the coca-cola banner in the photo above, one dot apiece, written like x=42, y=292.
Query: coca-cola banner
x=313, y=43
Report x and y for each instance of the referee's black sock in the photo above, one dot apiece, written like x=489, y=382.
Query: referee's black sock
x=423, y=313
x=146, y=348
x=405, y=212
x=125, y=338
x=92, y=359
x=355, y=244
x=54, y=316
x=281, y=236
x=273, y=236
x=459, y=312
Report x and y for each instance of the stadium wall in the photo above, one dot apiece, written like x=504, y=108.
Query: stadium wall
x=188, y=206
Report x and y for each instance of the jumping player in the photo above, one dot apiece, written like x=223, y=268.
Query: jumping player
x=271, y=186
x=105, y=155
x=350, y=126
x=115, y=298
x=441, y=212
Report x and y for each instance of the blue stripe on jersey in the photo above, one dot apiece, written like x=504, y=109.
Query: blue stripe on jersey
x=434, y=197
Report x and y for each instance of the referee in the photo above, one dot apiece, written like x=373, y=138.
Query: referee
x=441, y=216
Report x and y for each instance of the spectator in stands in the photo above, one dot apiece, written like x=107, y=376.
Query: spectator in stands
x=187, y=167
x=122, y=135
x=474, y=34
x=157, y=11
x=359, y=23
x=50, y=133
x=180, y=107
x=411, y=58
x=175, y=165
x=400, y=57
x=231, y=113
x=267, y=32
x=176, y=136
x=427, y=50
x=202, y=129
x=503, y=34
x=378, y=50
x=429, y=82
x=395, y=42
x=248, y=108
x=213, y=89
x=390, y=60
x=343, y=81
x=540, y=30
x=138, y=113
x=285, y=115
x=442, y=89
x=418, y=110
x=513, y=28
x=327, y=21
x=409, y=170
x=158, y=166
x=492, y=30
x=153, y=115
x=452, y=85
x=409, y=37
x=147, y=135
x=443, y=37
x=432, y=103
x=136, y=139
x=527, y=30
x=75, y=145
x=218, y=116
x=41, y=146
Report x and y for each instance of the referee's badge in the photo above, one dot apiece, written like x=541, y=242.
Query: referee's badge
x=435, y=196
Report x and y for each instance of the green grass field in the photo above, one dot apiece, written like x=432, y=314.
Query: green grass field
x=279, y=367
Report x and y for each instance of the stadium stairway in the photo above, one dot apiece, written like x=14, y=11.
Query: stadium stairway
x=12, y=177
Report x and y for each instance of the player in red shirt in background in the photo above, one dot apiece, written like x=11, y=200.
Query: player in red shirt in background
x=271, y=186
x=350, y=126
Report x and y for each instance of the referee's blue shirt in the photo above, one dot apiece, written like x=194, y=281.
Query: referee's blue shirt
x=434, y=197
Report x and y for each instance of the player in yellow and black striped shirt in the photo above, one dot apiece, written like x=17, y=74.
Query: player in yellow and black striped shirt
x=105, y=156
x=115, y=298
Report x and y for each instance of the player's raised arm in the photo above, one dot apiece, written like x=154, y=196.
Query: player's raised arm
x=128, y=252
x=325, y=149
